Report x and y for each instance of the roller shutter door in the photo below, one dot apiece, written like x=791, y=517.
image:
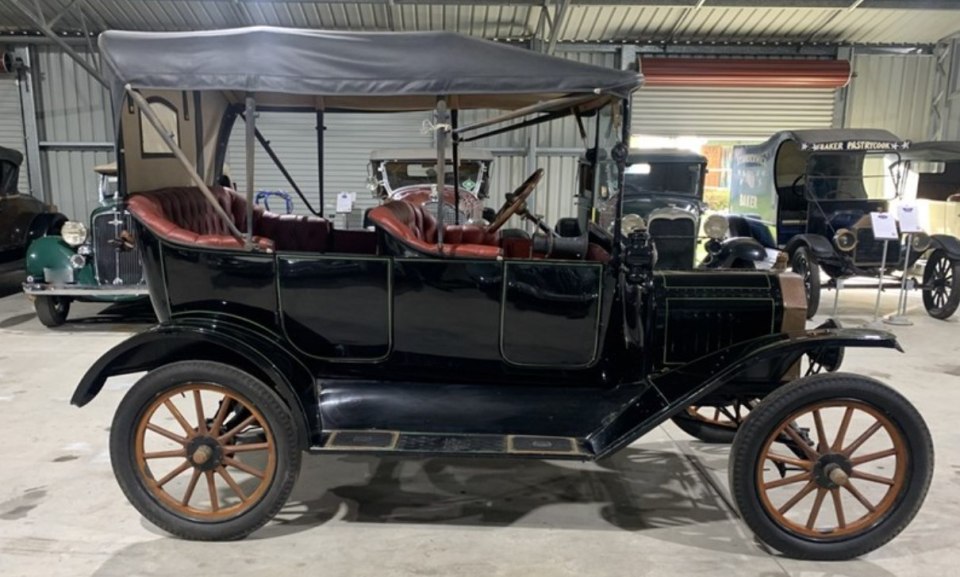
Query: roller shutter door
x=729, y=113
x=11, y=126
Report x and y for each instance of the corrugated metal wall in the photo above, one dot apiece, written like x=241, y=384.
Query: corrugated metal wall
x=73, y=108
x=11, y=127
x=893, y=92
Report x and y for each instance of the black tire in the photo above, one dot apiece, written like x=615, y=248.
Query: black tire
x=943, y=277
x=804, y=264
x=169, y=378
x=52, y=311
x=747, y=455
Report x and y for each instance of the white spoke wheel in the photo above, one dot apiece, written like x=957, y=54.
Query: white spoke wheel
x=831, y=466
x=204, y=451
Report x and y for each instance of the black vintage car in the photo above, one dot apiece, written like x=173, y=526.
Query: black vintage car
x=283, y=334
x=811, y=193
x=23, y=218
x=664, y=187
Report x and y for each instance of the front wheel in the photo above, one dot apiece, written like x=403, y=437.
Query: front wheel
x=803, y=263
x=831, y=466
x=941, y=277
x=52, y=311
x=204, y=451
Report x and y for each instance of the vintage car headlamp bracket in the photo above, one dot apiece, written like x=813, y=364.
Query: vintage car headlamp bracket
x=845, y=240
x=920, y=242
x=74, y=233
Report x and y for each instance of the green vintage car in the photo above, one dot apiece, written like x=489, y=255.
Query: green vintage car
x=95, y=262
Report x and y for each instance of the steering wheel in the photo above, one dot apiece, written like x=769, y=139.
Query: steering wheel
x=515, y=201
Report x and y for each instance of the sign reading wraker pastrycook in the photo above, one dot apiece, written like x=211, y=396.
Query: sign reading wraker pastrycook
x=855, y=145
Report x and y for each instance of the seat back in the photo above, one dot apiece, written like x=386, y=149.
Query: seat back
x=416, y=229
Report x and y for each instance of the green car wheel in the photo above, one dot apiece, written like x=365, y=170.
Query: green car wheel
x=52, y=311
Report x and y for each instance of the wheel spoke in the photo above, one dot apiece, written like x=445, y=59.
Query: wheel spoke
x=815, y=510
x=165, y=454
x=838, y=507
x=795, y=436
x=233, y=484
x=190, y=488
x=179, y=417
x=232, y=432
x=870, y=477
x=168, y=434
x=221, y=415
x=805, y=476
x=873, y=457
x=230, y=449
x=810, y=486
x=778, y=458
x=201, y=420
x=243, y=467
x=821, y=434
x=842, y=431
x=859, y=496
x=863, y=438
x=172, y=474
x=212, y=488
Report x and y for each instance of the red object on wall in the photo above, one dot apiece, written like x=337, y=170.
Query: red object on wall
x=745, y=72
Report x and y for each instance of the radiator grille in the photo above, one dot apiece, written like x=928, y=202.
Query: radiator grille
x=676, y=242
x=114, y=267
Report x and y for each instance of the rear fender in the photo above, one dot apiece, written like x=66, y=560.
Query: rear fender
x=818, y=245
x=663, y=396
x=224, y=343
x=946, y=243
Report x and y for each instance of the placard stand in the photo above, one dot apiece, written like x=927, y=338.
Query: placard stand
x=876, y=323
x=900, y=317
x=884, y=228
x=838, y=284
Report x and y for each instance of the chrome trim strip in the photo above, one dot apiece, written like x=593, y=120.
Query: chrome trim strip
x=106, y=291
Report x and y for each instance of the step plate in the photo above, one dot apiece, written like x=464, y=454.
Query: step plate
x=452, y=444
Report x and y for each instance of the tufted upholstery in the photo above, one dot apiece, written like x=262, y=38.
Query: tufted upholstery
x=183, y=215
x=417, y=229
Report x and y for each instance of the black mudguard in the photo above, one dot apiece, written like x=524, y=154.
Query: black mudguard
x=665, y=395
x=737, y=252
x=205, y=341
x=820, y=247
x=45, y=223
x=946, y=243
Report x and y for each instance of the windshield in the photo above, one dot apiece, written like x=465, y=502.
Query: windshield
x=851, y=176
x=678, y=178
x=398, y=174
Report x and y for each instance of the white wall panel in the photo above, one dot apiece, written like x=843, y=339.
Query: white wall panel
x=893, y=92
x=11, y=127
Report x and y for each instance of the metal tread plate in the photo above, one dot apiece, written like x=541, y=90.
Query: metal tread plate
x=451, y=444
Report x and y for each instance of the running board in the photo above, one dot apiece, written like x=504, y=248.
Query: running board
x=397, y=442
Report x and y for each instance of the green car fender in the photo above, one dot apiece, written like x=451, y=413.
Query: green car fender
x=53, y=253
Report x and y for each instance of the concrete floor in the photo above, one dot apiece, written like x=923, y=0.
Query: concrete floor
x=658, y=508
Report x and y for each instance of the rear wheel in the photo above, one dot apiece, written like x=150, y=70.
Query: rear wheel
x=714, y=424
x=831, y=466
x=804, y=264
x=204, y=451
x=941, y=276
x=52, y=311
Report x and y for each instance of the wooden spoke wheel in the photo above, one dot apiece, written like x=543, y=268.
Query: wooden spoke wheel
x=831, y=466
x=941, y=281
x=204, y=451
x=714, y=424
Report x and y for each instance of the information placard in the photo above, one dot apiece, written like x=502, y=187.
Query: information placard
x=909, y=219
x=884, y=226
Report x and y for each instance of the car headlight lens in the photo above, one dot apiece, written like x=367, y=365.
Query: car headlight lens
x=631, y=223
x=920, y=241
x=74, y=233
x=716, y=226
x=845, y=240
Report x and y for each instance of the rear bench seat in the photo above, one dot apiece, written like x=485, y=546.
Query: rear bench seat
x=183, y=215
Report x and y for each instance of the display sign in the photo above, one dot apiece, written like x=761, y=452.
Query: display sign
x=862, y=145
x=909, y=219
x=884, y=226
x=345, y=202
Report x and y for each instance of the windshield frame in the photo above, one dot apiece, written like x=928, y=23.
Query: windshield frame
x=894, y=172
x=389, y=189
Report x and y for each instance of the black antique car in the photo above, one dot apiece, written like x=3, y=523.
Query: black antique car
x=665, y=188
x=811, y=193
x=23, y=218
x=283, y=334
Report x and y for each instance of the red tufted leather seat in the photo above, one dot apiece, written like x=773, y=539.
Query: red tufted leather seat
x=183, y=215
x=416, y=228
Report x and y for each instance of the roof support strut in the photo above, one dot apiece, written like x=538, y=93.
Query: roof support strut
x=250, y=117
x=144, y=107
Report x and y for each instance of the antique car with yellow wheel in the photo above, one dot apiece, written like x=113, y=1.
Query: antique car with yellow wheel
x=276, y=336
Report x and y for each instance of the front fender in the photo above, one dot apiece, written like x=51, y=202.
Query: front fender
x=663, y=396
x=734, y=252
x=946, y=243
x=820, y=246
x=45, y=223
x=223, y=342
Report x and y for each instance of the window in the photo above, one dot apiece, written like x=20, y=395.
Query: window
x=151, y=143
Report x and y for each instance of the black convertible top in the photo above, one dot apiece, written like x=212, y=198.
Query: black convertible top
x=10, y=155
x=356, y=70
x=933, y=151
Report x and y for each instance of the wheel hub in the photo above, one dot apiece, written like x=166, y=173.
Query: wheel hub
x=832, y=470
x=204, y=453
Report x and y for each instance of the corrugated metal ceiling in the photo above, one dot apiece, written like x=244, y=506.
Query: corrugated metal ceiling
x=829, y=21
